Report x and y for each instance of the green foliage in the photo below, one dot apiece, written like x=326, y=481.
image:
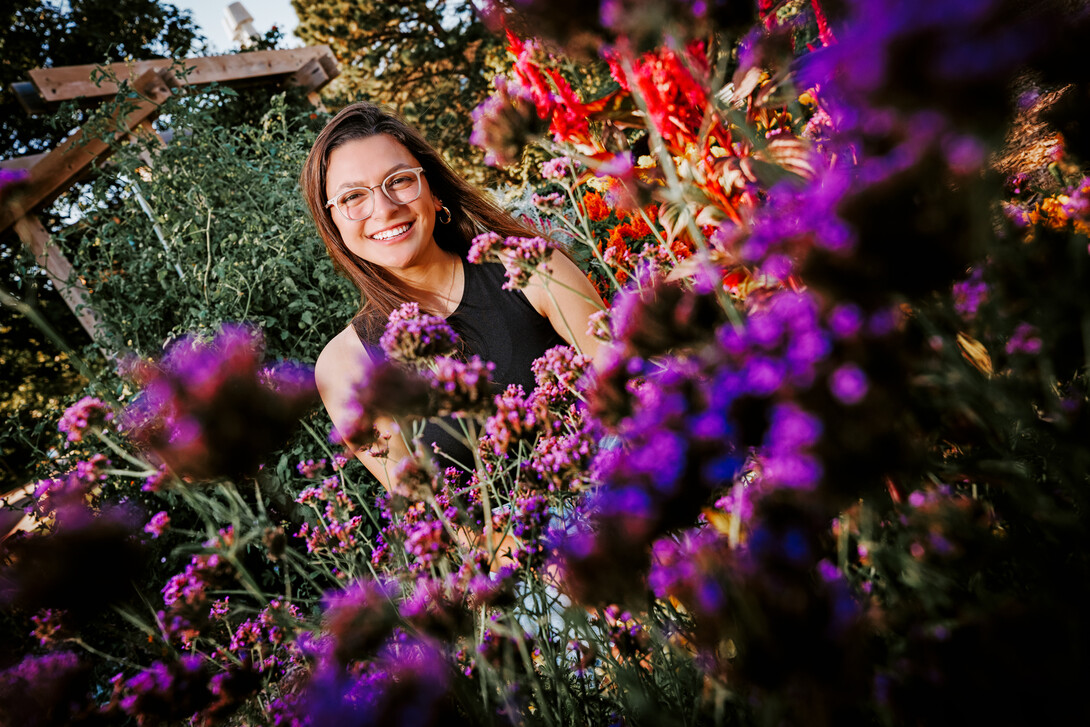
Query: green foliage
x=433, y=61
x=48, y=33
x=211, y=228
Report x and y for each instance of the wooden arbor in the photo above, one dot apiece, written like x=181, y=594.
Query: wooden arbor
x=52, y=173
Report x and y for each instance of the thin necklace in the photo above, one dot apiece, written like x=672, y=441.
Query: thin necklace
x=453, y=277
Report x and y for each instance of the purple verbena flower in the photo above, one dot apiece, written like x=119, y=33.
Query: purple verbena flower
x=849, y=384
x=212, y=409
x=159, y=524
x=1026, y=339
x=87, y=413
x=415, y=337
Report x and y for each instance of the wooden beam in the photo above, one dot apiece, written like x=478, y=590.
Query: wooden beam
x=23, y=162
x=56, y=265
x=71, y=82
x=52, y=175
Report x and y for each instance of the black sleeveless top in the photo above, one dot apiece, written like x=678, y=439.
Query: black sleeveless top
x=497, y=325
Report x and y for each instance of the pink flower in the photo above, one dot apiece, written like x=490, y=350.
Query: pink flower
x=85, y=414
x=159, y=524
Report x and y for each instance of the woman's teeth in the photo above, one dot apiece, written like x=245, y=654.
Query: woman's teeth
x=392, y=232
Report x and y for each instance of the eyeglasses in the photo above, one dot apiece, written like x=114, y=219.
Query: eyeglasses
x=401, y=187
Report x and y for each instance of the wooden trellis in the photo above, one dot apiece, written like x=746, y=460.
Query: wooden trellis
x=52, y=173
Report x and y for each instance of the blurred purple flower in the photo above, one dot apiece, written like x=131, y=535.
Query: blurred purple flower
x=1026, y=339
x=42, y=691
x=167, y=692
x=159, y=524
x=311, y=469
x=87, y=561
x=505, y=123
x=210, y=410
x=384, y=390
x=408, y=684
x=359, y=619
x=558, y=169
x=85, y=414
x=849, y=384
x=970, y=293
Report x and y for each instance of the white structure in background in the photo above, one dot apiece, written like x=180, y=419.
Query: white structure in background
x=239, y=24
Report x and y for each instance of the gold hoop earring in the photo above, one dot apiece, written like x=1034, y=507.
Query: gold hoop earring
x=443, y=209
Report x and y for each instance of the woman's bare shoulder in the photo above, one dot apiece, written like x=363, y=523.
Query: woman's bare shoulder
x=341, y=360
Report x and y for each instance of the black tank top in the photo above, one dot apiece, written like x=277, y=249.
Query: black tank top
x=497, y=325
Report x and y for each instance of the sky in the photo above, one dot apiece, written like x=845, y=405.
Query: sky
x=208, y=14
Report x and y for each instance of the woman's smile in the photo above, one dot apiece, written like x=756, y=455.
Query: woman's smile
x=389, y=234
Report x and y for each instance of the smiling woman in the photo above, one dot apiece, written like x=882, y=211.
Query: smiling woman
x=398, y=222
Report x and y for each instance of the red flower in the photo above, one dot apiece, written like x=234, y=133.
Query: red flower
x=596, y=207
x=556, y=101
x=675, y=99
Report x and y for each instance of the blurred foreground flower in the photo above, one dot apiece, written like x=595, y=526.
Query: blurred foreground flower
x=85, y=563
x=212, y=410
x=53, y=689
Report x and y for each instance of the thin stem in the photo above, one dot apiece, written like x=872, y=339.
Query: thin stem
x=83, y=644
x=113, y=447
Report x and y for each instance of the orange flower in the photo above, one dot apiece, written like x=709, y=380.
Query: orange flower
x=596, y=207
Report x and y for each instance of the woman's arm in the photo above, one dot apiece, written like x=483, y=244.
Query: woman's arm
x=562, y=293
x=338, y=372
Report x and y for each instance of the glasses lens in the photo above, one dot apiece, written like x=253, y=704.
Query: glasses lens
x=402, y=187
x=356, y=204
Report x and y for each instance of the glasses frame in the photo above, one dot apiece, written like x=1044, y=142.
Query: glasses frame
x=332, y=202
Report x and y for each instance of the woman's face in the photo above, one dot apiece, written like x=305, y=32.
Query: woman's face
x=399, y=237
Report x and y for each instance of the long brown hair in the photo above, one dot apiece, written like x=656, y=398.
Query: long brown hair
x=471, y=211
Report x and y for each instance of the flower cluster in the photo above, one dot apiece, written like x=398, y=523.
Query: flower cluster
x=87, y=413
x=211, y=410
x=415, y=337
x=521, y=256
x=460, y=387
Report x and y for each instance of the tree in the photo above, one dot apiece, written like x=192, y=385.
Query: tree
x=51, y=33
x=430, y=60
x=33, y=34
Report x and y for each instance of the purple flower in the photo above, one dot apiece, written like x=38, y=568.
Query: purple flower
x=415, y=337
x=66, y=494
x=460, y=386
x=311, y=469
x=505, y=123
x=1025, y=339
x=970, y=293
x=549, y=201
x=849, y=384
x=521, y=256
x=558, y=372
x=385, y=389
x=52, y=689
x=85, y=414
x=159, y=524
x=359, y=619
x=49, y=626
x=845, y=320
x=558, y=169
x=85, y=562
x=407, y=684
x=167, y=692
x=211, y=409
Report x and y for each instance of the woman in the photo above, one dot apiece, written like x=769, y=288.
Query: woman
x=398, y=222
